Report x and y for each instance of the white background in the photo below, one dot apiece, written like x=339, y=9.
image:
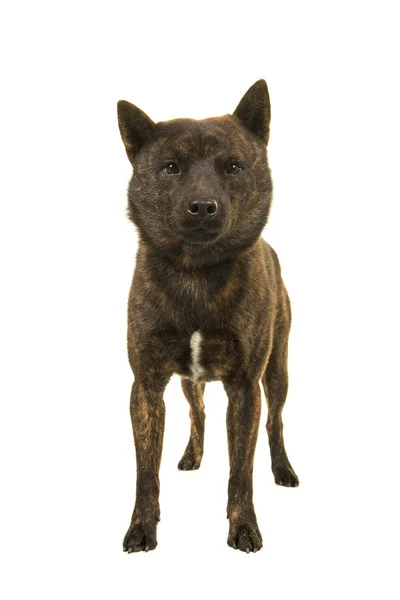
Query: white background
x=67, y=251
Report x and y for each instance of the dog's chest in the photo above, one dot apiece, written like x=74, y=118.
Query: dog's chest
x=195, y=355
x=208, y=356
x=195, y=300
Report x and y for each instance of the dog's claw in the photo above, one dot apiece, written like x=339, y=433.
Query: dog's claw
x=140, y=536
x=285, y=475
x=189, y=462
x=245, y=537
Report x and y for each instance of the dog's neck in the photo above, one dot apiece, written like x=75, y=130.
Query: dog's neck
x=193, y=257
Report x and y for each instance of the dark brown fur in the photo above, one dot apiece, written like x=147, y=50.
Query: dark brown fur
x=219, y=278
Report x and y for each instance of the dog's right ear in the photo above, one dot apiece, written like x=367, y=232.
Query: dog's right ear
x=135, y=126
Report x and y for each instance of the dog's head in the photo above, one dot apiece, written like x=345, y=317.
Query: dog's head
x=199, y=185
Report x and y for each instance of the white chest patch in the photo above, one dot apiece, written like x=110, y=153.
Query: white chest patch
x=195, y=346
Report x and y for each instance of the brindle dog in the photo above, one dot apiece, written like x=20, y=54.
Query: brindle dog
x=207, y=299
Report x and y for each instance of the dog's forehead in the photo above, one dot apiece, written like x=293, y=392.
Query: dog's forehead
x=207, y=137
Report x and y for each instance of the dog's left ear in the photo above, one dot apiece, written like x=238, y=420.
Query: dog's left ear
x=254, y=110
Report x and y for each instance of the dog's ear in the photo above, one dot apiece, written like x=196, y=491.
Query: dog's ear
x=254, y=110
x=135, y=126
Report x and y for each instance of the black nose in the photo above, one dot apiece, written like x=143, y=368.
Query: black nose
x=202, y=209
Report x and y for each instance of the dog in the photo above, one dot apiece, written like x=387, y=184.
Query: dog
x=207, y=300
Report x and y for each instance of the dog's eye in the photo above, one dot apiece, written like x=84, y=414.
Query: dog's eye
x=171, y=168
x=233, y=169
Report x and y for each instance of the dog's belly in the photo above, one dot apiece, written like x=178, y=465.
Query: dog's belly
x=208, y=358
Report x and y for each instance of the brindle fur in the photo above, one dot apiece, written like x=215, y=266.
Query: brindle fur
x=223, y=281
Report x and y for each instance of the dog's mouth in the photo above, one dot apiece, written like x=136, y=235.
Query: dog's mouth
x=200, y=234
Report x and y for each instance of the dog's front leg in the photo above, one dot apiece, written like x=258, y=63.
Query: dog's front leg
x=243, y=417
x=148, y=415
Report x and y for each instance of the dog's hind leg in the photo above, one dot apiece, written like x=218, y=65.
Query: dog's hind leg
x=193, y=454
x=275, y=383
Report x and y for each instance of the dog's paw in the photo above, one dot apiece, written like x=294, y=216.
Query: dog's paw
x=140, y=536
x=284, y=475
x=189, y=462
x=245, y=537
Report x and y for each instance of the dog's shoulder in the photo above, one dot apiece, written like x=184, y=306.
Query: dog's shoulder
x=271, y=259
